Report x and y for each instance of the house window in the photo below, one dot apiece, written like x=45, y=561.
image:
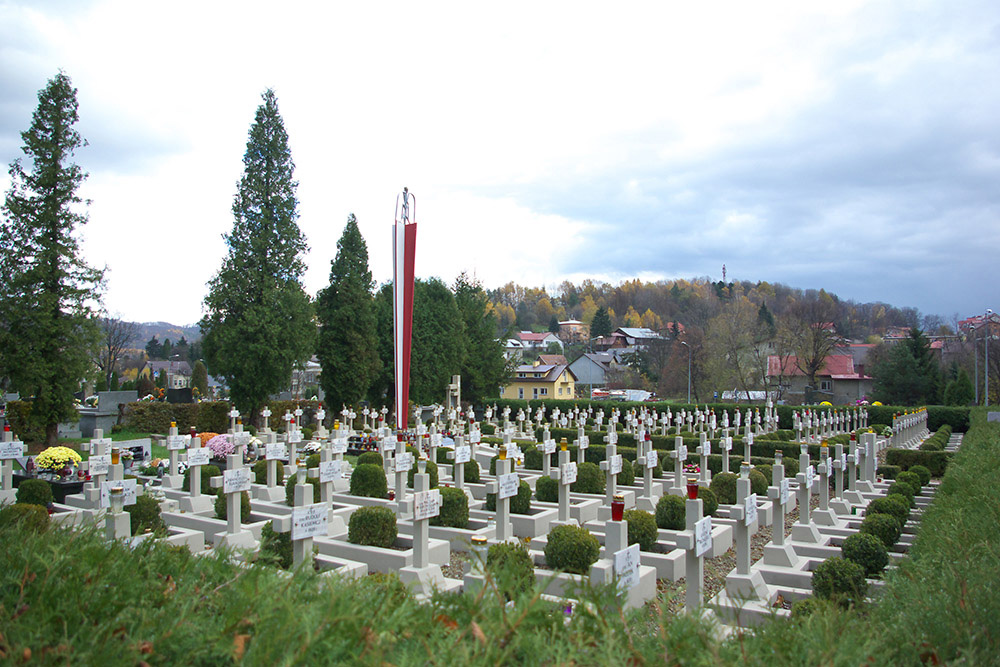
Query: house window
x=520, y=392
x=826, y=385
x=560, y=391
x=520, y=375
x=534, y=392
x=545, y=391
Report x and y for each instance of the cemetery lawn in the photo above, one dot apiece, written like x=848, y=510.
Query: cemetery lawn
x=69, y=597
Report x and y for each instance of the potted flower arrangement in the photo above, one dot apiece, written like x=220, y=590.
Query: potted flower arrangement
x=221, y=446
x=57, y=461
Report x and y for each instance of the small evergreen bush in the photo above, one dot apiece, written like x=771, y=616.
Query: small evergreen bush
x=519, y=504
x=589, y=479
x=34, y=492
x=867, y=551
x=709, y=503
x=373, y=458
x=312, y=461
x=923, y=473
x=145, y=513
x=222, y=510
x=290, y=489
x=883, y=526
x=627, y=476
x=29, y=516
x=839, y=579
x=911, y=478
x=432, y=470
x=372, y=526
x=894, y=505
x=512, y=568
x=670, y=512
x=275, y=547
x=471, y=472
x=454, y=509
x=546, y=490
x=259, y=472
x=368, y=480
x=758, y=482
x=724, y=487
x=207, y=473
x=768, y=472
x=571, y=549
x=903, y=489
x=641, y=529
x=887, y=471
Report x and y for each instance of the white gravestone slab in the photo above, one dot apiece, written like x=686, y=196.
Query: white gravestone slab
x=99, y=465
x=508, y=485
x=569, y=473
x=242, y=439
x=338, y=446
x=463, y=454
x=177, y=442
x=309, y=521
x=236, y=480
x=330, y=471
x=128, y=492
x=11, y=450
x=548, y=447
x=750, y=509
x=426, y=504
x=404, y=462
x=682, y=452
x=100, y=441
x=627, y=568
x=703, y=536
x=651, y=459
x=294, y=437
x=784, y=491
x=810, y=476
x=199, y=456
x=616, y=464
x=274, y=451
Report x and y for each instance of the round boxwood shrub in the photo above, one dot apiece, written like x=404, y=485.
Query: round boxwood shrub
x=222, y=510
x=867, y=551
x=368, y=480
x=571, y=549
x=28, y=516
x=911, y=478
x=805, y=607
x=259, y=472
x=639, y=472
x=432, y=470
x=903, y=489
x=145, y=513
x=511, y=567
x=923, y=473
x=709, y=503
x=768, y=472
x=312, y=461
x=546, y=490
x=372, y=526
x=519, y=504
x=471, y=472
x=372, y=458
x=894, y=505
x=34, y=492
x=207, y=473
x=275, y=547
x=839, y=579
x=883, y=526
x=454, y=509
x=627, y=476
x=589, y=479
x=290, y=489
x=641, y=529
x=724, y=487
x=758, y=482
x=670, y=513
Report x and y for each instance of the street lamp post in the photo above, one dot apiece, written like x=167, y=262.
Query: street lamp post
x=689, y=369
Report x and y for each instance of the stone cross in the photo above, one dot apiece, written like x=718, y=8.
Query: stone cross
x=611, y=465
x=648, y=459
x=745, y=516
x=302, y=544
x=583, y=442
x=823, y=514
x=234, y=481
x=565, y=474
x=460, y=455
x=10, y=449
x=197, y=456
x=175, y=444
x=778, y=552
x=424, y=508
x=273, y=451
x=804, y=530
x=726, y=444
x=704, y=449
x=547, y=447
x=695, y=549
x=679, y=455
x=98, y=465
x=321, y=433
x=266, y=414
x=747, y=444
x=402, y=467
x=505, y=476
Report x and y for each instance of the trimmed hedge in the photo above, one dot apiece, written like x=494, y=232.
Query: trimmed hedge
x=935, y=462
x=571, y=549
x=454, y=509
x=641, y=529
x=372, y=526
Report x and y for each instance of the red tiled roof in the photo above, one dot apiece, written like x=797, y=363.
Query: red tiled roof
x=528, y=335
x=837, y=366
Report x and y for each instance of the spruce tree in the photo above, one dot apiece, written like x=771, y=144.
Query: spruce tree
x=348, y=346
x=199, y=378
x=484, y=368
x=48, y=327
x=259, y=319
x=601, y=324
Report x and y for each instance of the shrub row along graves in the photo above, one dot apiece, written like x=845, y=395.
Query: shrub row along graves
x=630, y=517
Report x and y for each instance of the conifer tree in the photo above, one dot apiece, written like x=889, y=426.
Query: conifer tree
x=484, y=368
x=348, y=345
x=259, y=319
x=601, y=324
x=48, y=295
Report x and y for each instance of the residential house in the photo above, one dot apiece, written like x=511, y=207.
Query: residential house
x=552, y=359
x=513, y=349
x=306, y=377
x=592, y=368
x=839, y=381
x=537, y=380
x=178, y=372
x=574, y=331
x=538, y=341
x=637, y=337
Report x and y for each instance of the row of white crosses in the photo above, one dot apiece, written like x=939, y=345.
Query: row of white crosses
x=909, y=429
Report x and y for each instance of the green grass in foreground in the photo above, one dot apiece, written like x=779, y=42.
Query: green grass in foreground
x=66, y=596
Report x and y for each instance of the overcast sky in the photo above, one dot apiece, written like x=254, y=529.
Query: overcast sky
x=848, y=145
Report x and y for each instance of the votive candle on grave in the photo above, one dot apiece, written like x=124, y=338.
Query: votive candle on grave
x=117, y=498
x=617, y=507
x=692, y=488
x=115, y=455
x=503, y=452
x=563, y=445
x=745, y=469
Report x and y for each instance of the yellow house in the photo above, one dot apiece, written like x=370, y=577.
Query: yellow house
x=545, y=381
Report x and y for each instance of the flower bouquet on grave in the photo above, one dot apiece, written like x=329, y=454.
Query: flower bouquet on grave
x=57, y=459
x=221, y=446
x=691, y=469
x=205, y=437
x=887, y=432
x=312, y=447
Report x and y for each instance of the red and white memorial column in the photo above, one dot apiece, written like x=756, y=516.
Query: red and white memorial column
x=404, y=242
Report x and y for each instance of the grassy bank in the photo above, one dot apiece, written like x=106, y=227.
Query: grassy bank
x=67, y=596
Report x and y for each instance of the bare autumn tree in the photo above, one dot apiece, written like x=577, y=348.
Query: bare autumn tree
x=815, y=336
x=118, y=336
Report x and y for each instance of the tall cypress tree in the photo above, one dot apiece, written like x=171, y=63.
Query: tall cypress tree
x=259, y=319
x=348, y=346
x=484, y=368
x=48, y=328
